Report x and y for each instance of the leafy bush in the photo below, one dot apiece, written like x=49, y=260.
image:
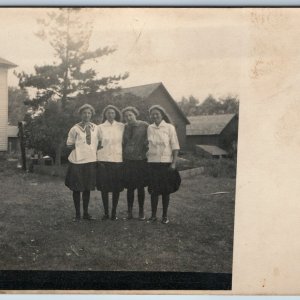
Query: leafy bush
x=212, y=167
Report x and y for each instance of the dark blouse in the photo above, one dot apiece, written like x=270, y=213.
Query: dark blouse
x=135, y=142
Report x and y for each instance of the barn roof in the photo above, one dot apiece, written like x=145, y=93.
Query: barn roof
x=212, y=150
x=6, y=63
x=208, y=125
x=144, y=91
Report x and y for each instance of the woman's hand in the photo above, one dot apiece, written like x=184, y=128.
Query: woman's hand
x=99, y=146
x=173, y=166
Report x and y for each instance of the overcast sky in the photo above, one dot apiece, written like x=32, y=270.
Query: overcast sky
x=192, y=51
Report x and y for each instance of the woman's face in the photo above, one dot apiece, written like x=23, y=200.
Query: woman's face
x=130, y=117
x=156, y=116
x=110, y=114
x=86, y=115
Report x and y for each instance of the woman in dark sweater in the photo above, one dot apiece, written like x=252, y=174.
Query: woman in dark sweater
x=135, y=146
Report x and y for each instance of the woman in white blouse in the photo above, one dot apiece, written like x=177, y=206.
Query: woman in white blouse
x=110, y=166
x=162, y=155
x=81, y=175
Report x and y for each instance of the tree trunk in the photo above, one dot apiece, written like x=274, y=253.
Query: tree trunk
x=58, y=151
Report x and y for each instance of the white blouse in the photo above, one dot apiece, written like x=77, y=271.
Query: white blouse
x=111, y=137
x=162, y=141
x=83, y=152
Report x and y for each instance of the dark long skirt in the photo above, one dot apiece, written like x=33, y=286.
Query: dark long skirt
x=136, y=174
x=110, y=176
x=162, y=179
x=81, y=177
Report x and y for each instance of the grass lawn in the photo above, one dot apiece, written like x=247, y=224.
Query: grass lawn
x=37, y=232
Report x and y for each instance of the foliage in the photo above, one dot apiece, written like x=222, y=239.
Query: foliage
x=59, y=84
x=210, y=106
x=16, y=107
x=189, y=105
x=212, y=167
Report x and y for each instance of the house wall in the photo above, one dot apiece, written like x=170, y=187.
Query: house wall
x=192, y=140
x=3, y=109
x=159, y=96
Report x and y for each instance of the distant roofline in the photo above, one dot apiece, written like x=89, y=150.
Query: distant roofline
x=6, y=63
x=197, y=131
x=201, y=116
x=136, y=86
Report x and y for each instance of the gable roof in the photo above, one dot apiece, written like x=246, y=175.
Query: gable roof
x=208, y=125
x=144, y=91
x=212, y=150
x=6, y=63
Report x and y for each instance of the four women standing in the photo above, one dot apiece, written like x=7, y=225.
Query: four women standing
x=149, y=154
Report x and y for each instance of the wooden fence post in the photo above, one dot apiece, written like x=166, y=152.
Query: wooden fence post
x=22, y=145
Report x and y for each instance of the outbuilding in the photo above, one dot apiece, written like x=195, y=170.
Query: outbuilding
x=213, y=130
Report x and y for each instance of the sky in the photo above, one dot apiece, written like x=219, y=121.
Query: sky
x=192, y=51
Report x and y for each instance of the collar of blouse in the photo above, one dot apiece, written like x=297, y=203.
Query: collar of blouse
x=162, y=124
x=83, y=126
x=107, y=123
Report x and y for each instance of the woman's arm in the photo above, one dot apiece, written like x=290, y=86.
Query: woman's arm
x=174, y=159
x=71, y=139
x=99, y=135
x=175, y=146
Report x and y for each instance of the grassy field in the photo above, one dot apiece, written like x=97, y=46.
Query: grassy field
x=37, y=232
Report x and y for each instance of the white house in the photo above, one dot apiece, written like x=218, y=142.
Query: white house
x=4, y=66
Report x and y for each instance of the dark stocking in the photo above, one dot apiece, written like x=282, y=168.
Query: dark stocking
x=165, y=203
x=115, y=200
x=104, y=196
x=141, y=200
x=76, y=199
x=130, y=199
x=154, y=202
x=86, y=200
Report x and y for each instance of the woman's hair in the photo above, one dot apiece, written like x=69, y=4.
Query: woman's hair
x=86, y=106
x=118, y=113
x=132, y=109
x=164, y=114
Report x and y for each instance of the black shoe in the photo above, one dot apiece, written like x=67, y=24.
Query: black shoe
x=105, y=217
x=129, y=217
x=142, y=217
x=152, y=219
x=114, y=218
x=88, y=217
x=165, y=220
x=76, y=219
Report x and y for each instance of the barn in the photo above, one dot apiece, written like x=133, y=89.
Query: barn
x=217, y=131
x=156, y=93
x=5, y=65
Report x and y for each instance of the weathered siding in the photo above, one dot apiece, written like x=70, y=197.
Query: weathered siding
x=192, y=140
x=3, y=109
x=229, y=134
x=160, y=97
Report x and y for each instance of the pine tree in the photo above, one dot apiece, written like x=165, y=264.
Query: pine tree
x=59, y=84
